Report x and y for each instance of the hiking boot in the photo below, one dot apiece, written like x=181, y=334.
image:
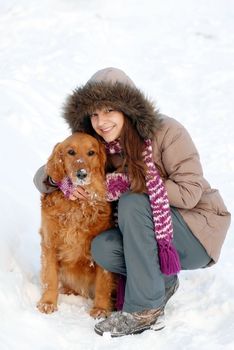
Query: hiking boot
x=121, y=323
x=169, y=291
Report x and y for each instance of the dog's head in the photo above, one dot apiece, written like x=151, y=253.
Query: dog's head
x=80, y=157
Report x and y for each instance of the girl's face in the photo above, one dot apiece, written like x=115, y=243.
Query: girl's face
x=107, y=123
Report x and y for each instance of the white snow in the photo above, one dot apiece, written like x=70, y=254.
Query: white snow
x=181, y=53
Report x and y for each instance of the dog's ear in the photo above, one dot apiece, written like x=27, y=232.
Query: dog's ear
x=102, y=155
x=55, y=165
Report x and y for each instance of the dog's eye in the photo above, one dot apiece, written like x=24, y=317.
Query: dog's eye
x=71, y=152
x=90, y=153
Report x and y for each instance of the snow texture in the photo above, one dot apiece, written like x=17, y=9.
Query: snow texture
x=181, y=53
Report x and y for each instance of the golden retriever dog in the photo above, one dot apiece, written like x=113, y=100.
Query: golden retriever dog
x=68, y=227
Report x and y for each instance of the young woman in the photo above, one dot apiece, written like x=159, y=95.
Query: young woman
x=169, y=218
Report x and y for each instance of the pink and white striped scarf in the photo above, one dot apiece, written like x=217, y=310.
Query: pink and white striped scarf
x=163, y=228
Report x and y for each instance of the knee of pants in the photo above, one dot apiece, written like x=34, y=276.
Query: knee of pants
x=106, y=250
x=97, y=251
x=133, y=203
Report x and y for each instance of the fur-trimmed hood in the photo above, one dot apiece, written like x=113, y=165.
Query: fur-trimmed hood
x=111, y=87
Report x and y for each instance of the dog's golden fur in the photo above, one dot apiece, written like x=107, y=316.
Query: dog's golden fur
x=68, y=227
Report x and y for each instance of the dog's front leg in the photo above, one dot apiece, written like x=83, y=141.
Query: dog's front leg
x=49, y=280
x=104, y=286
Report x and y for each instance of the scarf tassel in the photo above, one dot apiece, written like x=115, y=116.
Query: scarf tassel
x=169, y=259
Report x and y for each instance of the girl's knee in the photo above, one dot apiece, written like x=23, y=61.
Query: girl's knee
x=105, y=247
x=96, y=249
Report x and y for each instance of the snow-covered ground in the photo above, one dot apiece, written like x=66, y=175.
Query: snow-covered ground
x=182, y=54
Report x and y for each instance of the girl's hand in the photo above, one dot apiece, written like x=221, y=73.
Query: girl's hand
x=78, y=193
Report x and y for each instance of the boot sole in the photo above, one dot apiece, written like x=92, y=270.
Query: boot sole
x=157, y=326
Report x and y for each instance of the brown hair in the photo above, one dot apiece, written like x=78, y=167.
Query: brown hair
x=133, y=144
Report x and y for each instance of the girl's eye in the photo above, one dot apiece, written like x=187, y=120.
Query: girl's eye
x=90, y=153
x=71, y=152
x=93, y=115
x=109, y=110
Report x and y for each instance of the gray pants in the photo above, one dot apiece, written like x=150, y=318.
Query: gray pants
x=131, y=250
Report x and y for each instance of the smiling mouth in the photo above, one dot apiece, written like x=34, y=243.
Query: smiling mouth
x=106, y=130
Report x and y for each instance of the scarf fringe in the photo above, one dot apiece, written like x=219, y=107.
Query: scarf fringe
x=168, y=259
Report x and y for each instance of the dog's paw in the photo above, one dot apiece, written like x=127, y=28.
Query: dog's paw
x=46, y=307
x=97, y=312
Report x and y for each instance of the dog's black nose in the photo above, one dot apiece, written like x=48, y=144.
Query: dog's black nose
x=81, y=174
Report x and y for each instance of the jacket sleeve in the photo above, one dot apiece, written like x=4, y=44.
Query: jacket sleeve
x=43, y=182
x=182, y=164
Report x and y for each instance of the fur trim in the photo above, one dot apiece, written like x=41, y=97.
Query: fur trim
x=122, y=97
